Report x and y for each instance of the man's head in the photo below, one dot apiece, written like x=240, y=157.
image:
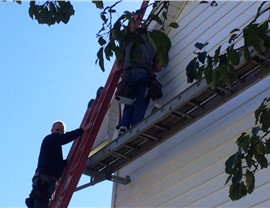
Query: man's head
x=58, y=127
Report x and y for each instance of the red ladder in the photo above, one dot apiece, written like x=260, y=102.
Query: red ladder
x=81, y=148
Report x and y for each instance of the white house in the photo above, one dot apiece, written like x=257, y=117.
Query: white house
x=187, y=168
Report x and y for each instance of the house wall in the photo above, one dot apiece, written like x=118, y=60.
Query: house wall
x=201, y=23
x=187, y=170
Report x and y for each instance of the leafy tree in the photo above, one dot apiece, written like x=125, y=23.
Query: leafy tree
x=51, y=12
x=220, y=68
x=114, y=35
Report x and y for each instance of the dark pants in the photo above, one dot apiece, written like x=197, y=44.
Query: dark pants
x=42, y=189
x=132, y=114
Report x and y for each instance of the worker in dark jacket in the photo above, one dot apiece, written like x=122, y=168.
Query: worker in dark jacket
x=51, y=164
x=138, y=67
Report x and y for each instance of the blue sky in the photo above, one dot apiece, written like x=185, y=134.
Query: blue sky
x=47, y=74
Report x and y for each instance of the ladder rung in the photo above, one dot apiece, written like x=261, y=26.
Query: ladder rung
x=160, y=127
x=194, y=104
x=130, y=147
x=224, y=89
x=101, y=163
x=147, y=136
x=120, y=155
x=176, y=116
x=182, y=114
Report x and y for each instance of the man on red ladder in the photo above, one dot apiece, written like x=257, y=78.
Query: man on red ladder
x=139, y=65
x=51, y=164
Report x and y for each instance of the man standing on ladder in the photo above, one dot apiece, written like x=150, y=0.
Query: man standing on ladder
x=51, y=164
x=139, y=65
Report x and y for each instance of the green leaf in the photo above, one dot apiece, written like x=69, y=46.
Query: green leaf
x=164, y=15
x=216, y=78
x=261, y=160
x=258, y=44
x=251, y=29
x=249, y=160
x=266, y=40
x=267, y=146
x=101, y=41
x=162, y=44
x=116, y=31
x=237, y=176
x=202, y=57
x=237, y=191
x=244, y=141
x=224, y=74
x=104, y=18
x=99, y=4
x=200, y=46
x=247, y=55
x=217, y=52
x=254, y=140
x=119, y=53
x=31, y=11
x=174, y=25
x=265, y=121
x=240, y=138
x=232, y=38
x=208, y=73
x=255, y=130
x=157, y=19
x=228, y=179
x=250, y=181
x=100, y=59
x=259, y=111
x=263, y=28
x=232, y=73
x=233, y=56
x=213, y=4
x=235, y=30
x=203, y=2
x=260, y=148
x=230, y=163
x=108, y=51
x=164, y=39
x=191, y=70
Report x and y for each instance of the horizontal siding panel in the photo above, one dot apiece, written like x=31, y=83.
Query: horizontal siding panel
x=188, y=169
x=174, y=77
x=176, y=171
x=245, y=106
x=223, y=19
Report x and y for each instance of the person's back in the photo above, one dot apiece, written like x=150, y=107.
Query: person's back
x=141, y=53
x=140, y=60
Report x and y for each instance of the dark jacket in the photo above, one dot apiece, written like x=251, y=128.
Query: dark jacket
x=50, y=161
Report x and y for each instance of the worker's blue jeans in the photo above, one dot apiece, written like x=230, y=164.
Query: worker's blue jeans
x=132, y=114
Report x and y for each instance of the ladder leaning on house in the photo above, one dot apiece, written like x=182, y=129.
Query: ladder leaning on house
x=81, y=148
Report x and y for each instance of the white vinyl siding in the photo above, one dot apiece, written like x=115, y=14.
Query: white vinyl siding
x=201, y=23
x=187, y=170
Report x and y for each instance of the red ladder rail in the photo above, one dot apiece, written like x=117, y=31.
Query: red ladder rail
x=81, y=148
